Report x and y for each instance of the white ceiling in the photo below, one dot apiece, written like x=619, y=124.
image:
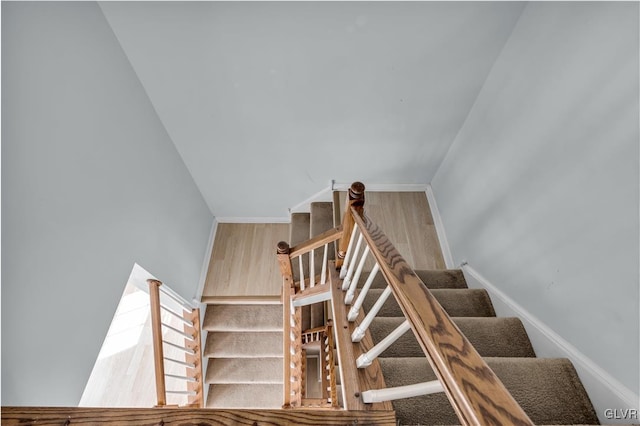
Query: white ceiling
x=266, y=102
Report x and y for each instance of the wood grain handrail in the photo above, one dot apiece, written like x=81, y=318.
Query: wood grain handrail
x=475, y=392
x=329, y=236
x=191, y=346
x=82, y=416
x=158, y=352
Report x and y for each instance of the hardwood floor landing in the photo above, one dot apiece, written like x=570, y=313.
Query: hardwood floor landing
x=406, y=219
x=243, y=261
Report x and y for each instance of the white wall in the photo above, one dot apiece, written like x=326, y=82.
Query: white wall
x=539, y=191
x=91, y=183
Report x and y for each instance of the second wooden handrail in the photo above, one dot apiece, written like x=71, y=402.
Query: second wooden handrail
x=475, y=392
x=329, y=236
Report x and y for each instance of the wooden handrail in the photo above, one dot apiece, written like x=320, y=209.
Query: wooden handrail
x=158, y=352
x=355, y=200
x=475, y=392
x=192, y=347
x=333, y=388
x=316, y=242
x=288, y=291
x=196, y=400
x=81, y=416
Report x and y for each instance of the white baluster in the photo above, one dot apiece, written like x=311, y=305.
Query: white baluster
x=323, y=277
x=354, y=282
x=312, y=268
x=358, y=333
x=345, y=264
x=355, y=309
x=347, y=279
x=367, y=358
x=400, y=392
x=301, y=272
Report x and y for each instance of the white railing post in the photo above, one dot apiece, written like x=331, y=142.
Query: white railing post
x=312, y=268
x=301, y=272
x=367, y=358
x=360, y=330
x=351, y=270
x=355, y=309
x=323, y=276
x=345, y=265
x=351, y=292
x=400, y=392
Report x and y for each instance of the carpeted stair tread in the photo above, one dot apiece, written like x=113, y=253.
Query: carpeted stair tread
x=243, y=318
x=443, y=278
x=299, y=229
x=549, y=390
x=245, y=344
x=456, y=302
x=244, y=370
x=245, y=396
x=321, y=217
x=494, y=337
x=299, y=233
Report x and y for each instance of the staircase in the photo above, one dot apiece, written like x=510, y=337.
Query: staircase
x=245, y=346
x=243, y=350
x=549, y=390
x=244, y=355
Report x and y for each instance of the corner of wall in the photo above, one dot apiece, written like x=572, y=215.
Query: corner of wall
x=440, y=231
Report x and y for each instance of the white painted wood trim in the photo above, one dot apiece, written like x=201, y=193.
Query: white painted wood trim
x=442, y=235
x=205, y=262
x=325, y=195
x=384, y=187
x=605, y=391
x=400, y=392
x=266, y=219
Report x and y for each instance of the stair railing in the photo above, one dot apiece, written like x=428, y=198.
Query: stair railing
x=305, y=291
x=323, y=335
x=165, y=300
x=475, y=392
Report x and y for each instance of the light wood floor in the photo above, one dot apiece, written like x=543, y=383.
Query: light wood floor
x=123, y=375
x=243, y=261
x=406, y=219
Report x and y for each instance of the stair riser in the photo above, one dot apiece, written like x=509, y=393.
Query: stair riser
x=494, y=337
x=457, y=303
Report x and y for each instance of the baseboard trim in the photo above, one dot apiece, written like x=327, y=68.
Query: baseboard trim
x=243, y=300
x=231, y=219
x=437, y=221
x=205, y=263
x=384, y=187
x=605, y=391
x=305, y=206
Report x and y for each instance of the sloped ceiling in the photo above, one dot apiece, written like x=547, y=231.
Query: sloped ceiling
x=267, y=102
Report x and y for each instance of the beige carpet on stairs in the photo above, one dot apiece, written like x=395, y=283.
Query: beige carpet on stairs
x=244, y=353
x=549, y=390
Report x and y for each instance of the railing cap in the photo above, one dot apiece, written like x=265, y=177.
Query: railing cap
x=356, y=190
x=283, y=247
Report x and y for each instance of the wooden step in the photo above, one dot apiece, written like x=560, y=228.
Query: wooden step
x=456, y=302
x=243, y=344
x=495, y=337
x=548, y=390
x=244, y=370
x=440, y=278
x=243, y=318
x=244, y=395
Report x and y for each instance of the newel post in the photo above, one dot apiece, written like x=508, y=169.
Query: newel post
x=355, y=198
x=288, y=290
x=156, y=329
